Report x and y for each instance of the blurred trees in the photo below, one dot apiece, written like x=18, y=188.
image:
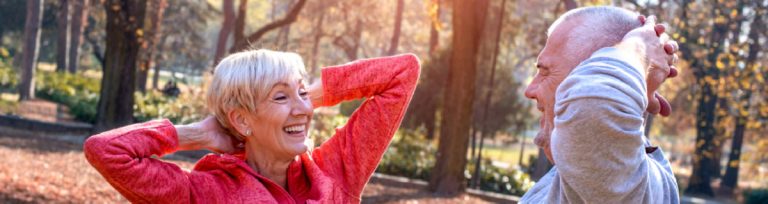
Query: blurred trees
x=721, y=43
x=71, y=20
x=125, y=34
x=62, y=38
x=31, y=48
x=244, y=42
x=150, y=44
x=722, y=73
x=398, y=26
x=468, y=23
x=78, y=22
x=227, y=24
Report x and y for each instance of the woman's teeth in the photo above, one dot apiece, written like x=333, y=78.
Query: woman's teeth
x=294, y=129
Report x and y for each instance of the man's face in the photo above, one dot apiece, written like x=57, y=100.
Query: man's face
x=555, y=62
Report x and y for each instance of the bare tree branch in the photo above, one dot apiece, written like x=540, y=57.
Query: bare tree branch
x=288, y=19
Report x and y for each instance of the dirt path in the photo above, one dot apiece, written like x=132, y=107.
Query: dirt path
x=36, y=169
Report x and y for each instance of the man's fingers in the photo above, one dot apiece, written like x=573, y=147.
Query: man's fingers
x=659, y=29
x=669, y=48
x=650, y=21
x=674, y=45
x=672, y=72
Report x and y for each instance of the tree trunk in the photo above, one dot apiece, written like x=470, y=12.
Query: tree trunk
x=79, y=21
x=228, y=6
x=398, y=25
x=31, y=48
x=242, y=13
x=522, y=151
x=318, y=36
x=156, y=76
x=152, y=37
x=541, y=167
x=430, y=125
x=706, y=149
x=489, y=94
x=476, y=181
x=119, y=78
x=468, y=22
x=286, y=37
x=473, y=143
x=62, y=37
x=434, y=36
x=95, y=45
x=289, y=18
x=700, y=179
x=648, y=125
x=570, y=4
x=350, y=46
x=731, y=178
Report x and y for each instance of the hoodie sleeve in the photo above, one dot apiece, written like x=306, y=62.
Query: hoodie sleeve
x=387, y=83
x=125, y=157
x=597, y=143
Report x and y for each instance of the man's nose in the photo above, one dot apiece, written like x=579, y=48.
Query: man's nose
x=530, y=91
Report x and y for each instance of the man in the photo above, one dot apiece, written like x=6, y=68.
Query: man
x=592, y=124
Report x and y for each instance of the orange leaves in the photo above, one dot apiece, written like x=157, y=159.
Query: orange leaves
x=433, y=10
x=115, y=7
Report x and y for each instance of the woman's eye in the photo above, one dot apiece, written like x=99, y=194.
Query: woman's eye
x=280, y=97
x=303, y=92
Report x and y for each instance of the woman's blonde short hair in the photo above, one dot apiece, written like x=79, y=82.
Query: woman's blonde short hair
x=243, y=79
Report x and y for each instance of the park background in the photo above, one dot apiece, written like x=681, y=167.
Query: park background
x=73, y=68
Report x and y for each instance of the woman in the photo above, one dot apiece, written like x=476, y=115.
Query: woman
x=259, y=99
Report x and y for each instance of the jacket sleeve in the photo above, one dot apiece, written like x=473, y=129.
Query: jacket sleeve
x=124, y=156
x=387, y=83
x=597, y=143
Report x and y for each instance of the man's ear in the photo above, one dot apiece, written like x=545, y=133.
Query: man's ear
x=238, y=121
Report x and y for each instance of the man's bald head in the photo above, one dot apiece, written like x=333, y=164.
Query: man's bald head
x=571, y=39
x=597, y=27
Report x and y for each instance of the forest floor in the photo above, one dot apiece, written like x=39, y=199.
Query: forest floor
x=43, y=169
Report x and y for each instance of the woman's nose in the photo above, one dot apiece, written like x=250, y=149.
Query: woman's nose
x=301, y=107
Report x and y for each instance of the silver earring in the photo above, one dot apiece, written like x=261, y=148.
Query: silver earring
x=248, y=132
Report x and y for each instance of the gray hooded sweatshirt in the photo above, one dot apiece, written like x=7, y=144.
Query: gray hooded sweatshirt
x=598, y=144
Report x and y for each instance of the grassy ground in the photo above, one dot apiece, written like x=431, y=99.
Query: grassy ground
x=510, y=154
x=39, y=169
x=8, y=103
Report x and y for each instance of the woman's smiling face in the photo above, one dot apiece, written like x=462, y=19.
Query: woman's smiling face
x=282, y=119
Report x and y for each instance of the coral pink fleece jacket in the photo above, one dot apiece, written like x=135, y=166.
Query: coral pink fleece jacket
x=335, y=172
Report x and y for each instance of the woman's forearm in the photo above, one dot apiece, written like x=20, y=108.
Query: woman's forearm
x=191, y=137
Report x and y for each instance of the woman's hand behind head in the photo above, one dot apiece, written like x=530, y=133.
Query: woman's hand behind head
x=207, y=134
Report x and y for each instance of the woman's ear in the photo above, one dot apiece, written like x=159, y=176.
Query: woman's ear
x=239, y=123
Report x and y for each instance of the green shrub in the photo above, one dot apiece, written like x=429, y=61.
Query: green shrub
x=412, y=155
x=506, y=181
x=409, y=155
x=187, y=108
x=756, y=196
x=324, y=126
x=8, y=78
x=80, y=94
